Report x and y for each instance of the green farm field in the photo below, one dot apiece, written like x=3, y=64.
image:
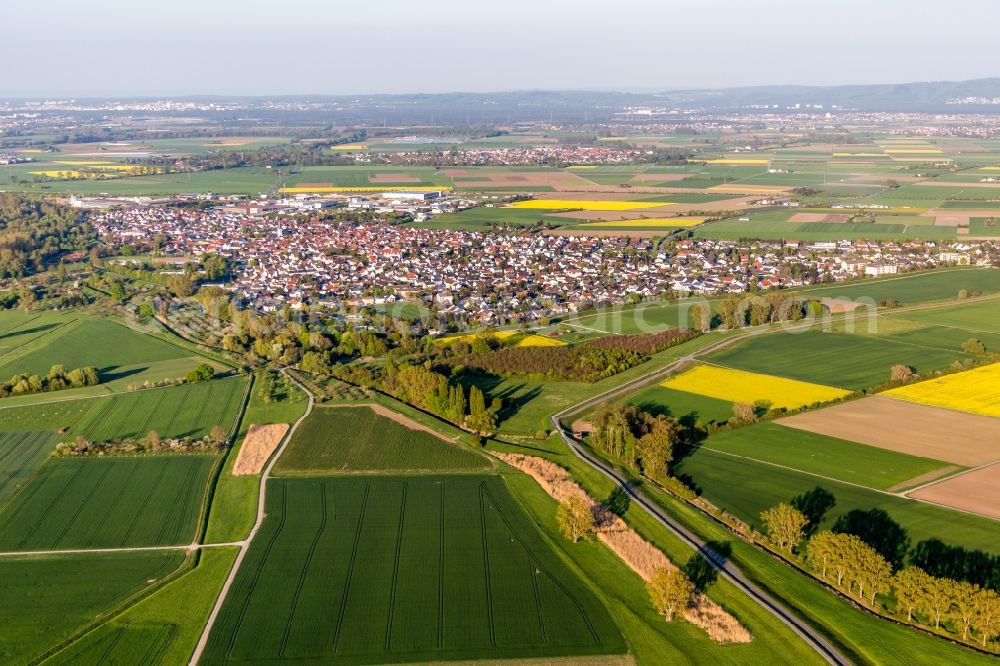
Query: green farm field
x=82, y=342
x=187, y=410
x=244, y=180
x=915, y=288
x=822, y=456
x=108, y=503
x=745, y=487
x=48, y=598
x=52, y=415
x=362, y=176
x=21, y=453
x=973, y=318
x=355, y=439
x=406, y=569
x=690, y=408
x=164, y=627
x=853, y=362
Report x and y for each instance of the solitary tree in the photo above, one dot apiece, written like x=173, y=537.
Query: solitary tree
x=974, y=346
x=744, y=412
x=670, y=590
x=785, y=525
x=575, y=518
x=901, y=373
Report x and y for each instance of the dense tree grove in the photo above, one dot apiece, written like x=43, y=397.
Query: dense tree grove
x=644, y=344
x=587, y=362
x=421, y=386
x=736, y=312
x=641, y=440
x=34, y=233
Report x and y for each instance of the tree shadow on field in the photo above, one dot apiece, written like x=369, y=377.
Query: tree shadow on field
x=28, y=331
x=879, y=531
x=814, y=505
x=617, y=502
x=113, y=372
x=698, y=568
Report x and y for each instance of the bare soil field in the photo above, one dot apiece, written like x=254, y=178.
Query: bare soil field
x=557, y=180
x=833, y=218
x=941, y=434
x=977, y=491
x=258, y=445
x=951, y=220
x=838, y=305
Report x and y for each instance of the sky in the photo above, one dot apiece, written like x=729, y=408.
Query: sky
x=254, y=47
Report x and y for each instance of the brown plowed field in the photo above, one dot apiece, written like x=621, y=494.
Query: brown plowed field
x=941, y=434
x=977, y=491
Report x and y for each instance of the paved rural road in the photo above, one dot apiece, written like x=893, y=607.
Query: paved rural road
x=245, y=544
x=723, y=566
x=726, y=569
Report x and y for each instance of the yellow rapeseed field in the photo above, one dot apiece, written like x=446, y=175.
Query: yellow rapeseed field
x=394, y=188
x=859, y=154
x=524, y=339
x=351, y=146
x=579, y=167
x=558, y=204
x=740, y=386
x=534, y=340
x=973, y=391
x=469, y=337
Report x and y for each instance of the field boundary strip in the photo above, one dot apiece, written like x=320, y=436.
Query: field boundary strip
x=241, y=615
x=244, y=545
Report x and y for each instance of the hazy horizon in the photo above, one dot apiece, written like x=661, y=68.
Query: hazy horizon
x=113, y=48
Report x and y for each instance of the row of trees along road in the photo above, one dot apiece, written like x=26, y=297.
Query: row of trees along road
x=845, y=561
